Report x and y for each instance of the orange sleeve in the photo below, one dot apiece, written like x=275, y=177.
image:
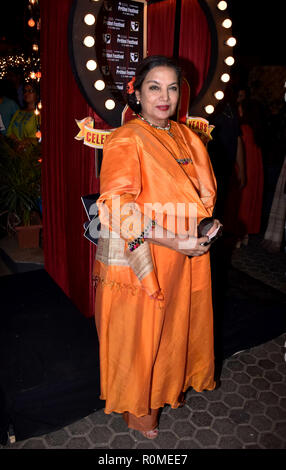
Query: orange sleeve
x=120, y=184
x=120, y=170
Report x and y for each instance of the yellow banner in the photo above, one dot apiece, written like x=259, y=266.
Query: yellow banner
x=96, y=137
x=201, y=127
x=92, y=137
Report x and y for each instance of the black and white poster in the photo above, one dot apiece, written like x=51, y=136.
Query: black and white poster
x=120, y=43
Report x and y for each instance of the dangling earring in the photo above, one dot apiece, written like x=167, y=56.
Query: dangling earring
x=137, y=102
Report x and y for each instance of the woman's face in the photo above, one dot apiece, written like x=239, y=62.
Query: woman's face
x=30, y=95
x=159, y=95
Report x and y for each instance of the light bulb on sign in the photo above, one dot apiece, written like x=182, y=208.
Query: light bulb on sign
x=209, y=109
x=222, y=6
x=227, y=23
x=229, y=60
x=91, y=65
x=89, y=19
x=89, y=41
x=225, y=77
x=219, y=95
x=99, y=85
x=231, y=42
x=109, y=104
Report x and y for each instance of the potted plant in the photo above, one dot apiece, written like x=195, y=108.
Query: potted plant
x=20, y=188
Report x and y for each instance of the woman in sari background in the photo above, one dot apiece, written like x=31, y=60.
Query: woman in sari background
x=251, y=195
x=25, y=123
x=153, y=305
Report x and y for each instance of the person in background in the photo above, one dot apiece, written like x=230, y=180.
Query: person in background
x=25, y=123
x=227, y=155
x=2, y=127
x=275, y=234
x=153, y=303
x=275, y=231
x=8, y=107
x=17, y=84
x=274, y=153
x=251, y=195
x=226, y=152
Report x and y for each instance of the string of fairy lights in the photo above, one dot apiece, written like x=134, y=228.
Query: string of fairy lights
x=28, y=63
x=30, y=66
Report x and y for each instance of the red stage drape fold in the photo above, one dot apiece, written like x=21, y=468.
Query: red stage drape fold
x=195, y=44
x=194, y=40
x=68, y=165
x=161, y=27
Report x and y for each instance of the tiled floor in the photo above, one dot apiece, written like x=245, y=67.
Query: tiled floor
x=269, y=268
x=246, y=411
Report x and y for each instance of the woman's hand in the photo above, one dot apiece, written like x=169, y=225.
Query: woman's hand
x=197, y=246
x=191, y=246
x=214, y=227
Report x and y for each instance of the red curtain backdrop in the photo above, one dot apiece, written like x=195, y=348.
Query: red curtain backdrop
x=68, y=165
x=195, y=44
x=161, y=27
x=194, y=40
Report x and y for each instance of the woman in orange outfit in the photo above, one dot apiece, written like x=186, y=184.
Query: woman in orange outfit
x=153, y=305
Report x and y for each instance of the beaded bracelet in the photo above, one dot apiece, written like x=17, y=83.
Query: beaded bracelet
x=141, y=239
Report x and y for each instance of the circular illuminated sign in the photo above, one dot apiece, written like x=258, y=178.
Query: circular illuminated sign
x=221, y=58
x=92, y=74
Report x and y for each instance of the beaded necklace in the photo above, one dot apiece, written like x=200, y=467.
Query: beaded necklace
x=181, y=161
x=167, y=128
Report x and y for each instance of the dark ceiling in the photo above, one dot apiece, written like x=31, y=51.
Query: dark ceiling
x=257, y=25
x=12, y=19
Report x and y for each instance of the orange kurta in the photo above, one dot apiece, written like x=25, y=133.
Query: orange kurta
x=153, y=350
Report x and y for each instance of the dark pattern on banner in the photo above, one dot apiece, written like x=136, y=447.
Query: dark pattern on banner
x=120, y=44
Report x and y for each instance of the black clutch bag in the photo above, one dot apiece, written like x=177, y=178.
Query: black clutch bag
x=203, y=228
